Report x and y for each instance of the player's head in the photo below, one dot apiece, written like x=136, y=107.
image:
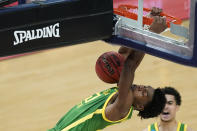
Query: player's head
x=172, y=104
x=148, y=101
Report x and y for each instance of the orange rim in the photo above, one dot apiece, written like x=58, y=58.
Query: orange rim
x=123, y=10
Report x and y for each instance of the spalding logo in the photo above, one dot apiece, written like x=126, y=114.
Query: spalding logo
x=45, y=32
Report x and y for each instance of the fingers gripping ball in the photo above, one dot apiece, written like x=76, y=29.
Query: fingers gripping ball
x=108, y=66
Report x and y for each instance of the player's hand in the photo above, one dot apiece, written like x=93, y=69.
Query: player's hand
x=155, y=11
x=158, y=25
x=125, y=51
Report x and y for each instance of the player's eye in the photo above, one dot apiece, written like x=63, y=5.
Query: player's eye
x=170, y=102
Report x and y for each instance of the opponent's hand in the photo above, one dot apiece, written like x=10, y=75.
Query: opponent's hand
x=158, y=25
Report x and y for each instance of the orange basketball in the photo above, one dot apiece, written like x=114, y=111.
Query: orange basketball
x=108, y=66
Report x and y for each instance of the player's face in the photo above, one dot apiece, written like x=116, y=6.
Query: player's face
x=169, y=112
x=142, y=96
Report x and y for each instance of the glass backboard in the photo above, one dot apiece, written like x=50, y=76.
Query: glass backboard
x=177, y=43
x=67, y=22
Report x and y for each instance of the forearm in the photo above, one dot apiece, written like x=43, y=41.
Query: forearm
x=125, y=82
x=139, y=59
x=128, y=71
x=136, y=58
x=127, y=74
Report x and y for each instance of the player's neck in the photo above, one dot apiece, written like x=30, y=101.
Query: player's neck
x=168, y=125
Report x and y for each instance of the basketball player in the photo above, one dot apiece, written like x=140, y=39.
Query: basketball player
x=168, y=120
x=116, y=104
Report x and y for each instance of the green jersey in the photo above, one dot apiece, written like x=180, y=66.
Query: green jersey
x=180, y=127
x=89, y=115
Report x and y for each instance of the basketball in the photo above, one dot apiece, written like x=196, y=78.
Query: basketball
x=108, y=66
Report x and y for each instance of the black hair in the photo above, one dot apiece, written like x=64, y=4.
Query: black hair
x=155, y=107
x=174, y=92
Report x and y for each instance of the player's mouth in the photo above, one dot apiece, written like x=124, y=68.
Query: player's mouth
x=165, y=113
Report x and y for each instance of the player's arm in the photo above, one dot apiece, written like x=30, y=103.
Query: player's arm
x=120, y=108
x=127, y=76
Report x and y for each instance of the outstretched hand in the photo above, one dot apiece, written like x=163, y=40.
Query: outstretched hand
x=132, y=55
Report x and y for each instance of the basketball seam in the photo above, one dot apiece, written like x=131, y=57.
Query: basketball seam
x=105, y=72
x=116, y=66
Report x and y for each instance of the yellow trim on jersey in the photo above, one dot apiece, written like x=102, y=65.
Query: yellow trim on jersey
x=179, y=126
x=156, y=126
x=99, y=111
x=185, y=127
x=149, y=127
x=104, y=107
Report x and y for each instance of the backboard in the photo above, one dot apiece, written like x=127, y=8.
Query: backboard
x=177, y=43
x=54, y=23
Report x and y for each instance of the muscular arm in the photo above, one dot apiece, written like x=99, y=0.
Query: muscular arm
x=127, y=76
x=123, y=102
